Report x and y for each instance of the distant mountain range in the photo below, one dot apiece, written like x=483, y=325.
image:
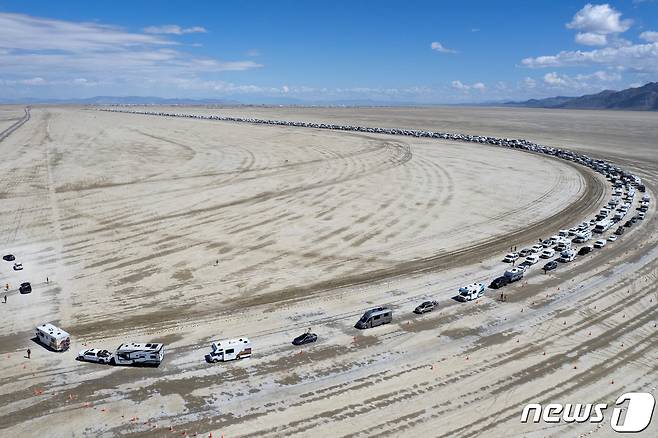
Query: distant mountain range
x=643, y=98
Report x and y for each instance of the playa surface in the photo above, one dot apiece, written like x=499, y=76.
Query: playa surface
x=188, y=231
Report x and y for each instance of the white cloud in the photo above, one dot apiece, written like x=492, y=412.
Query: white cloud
x=650, y=36
x=24, y=32
x=601, y=19
x=591, y=39
x=459, y=85
x=639, y=57
x=595, y=80
x=529, y=83
x=438, y=47
x=63, y=52
x=553, y=79
x=173, y=29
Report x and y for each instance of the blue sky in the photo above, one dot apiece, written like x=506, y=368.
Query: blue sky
x=324, y=51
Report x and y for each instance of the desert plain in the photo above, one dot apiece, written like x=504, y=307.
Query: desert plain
x=145, y=228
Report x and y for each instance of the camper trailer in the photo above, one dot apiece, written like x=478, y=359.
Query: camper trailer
x=375, y=317
x=603, y=226
x=139, y=354
x=231, y=349
x=53, y=337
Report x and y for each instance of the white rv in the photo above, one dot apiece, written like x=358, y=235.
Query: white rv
x=230, y=349
x=603, y=226
x=53, y=337
x=139, y=354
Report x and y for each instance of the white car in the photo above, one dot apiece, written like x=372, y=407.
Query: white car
x=532, y=259
x=547, y=253
x=536, y=248
x=511, y=257
x=18, y=266
x=599, y=243
x=612, y=238
x=95, y=355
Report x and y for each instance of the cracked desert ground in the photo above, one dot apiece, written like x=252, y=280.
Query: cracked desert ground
x=187, y=231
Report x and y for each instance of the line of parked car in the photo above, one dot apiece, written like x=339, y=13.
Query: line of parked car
x=234, y=349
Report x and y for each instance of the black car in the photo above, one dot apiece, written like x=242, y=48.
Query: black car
x=550, y=265
x=499, y=282
x=585, y=250
x=634, y=219
x=8, y=257
x=628, y=223
x=426, y=306
x=25, y=288
x=619, y=231
x=306, y=338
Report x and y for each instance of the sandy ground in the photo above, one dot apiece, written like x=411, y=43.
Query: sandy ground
x=185, y=231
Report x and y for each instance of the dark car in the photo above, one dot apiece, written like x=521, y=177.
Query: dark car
x=25, y=288
x=628, y=223
x=585, y=250
x=8, y=257
x=634, y=219
x=499, y=282
x=306, y=338
x=619, y=231
x=425, y=307
x=550, y=265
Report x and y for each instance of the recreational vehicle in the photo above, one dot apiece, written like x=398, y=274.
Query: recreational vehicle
x=139, y=354
x=603, y=226
x=231, y=349
x=471, y=292
x=53, y=337
x=375, y=317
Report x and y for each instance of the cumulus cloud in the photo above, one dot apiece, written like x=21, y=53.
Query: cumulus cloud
x=639, y=57
x=597, y=23
x=589, y=81
x=591, y=39
x=650, y=36
x=173, y=29
x=600, y=19
x=438, y=47
x=459, y=85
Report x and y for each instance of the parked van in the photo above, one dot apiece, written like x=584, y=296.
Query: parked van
x=231, y=349
x=139, y=354
x=53, y=337
x=375, y=317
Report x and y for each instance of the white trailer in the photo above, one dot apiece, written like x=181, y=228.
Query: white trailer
x=231, y=349
x=603, y=226
x=53, y=337
x=134, y=353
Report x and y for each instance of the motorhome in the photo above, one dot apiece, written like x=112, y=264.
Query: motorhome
x=471, y=292
x=231, y=349
x=603, y=226
x=53, y=337
x=139, y=354
x=375, y=317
